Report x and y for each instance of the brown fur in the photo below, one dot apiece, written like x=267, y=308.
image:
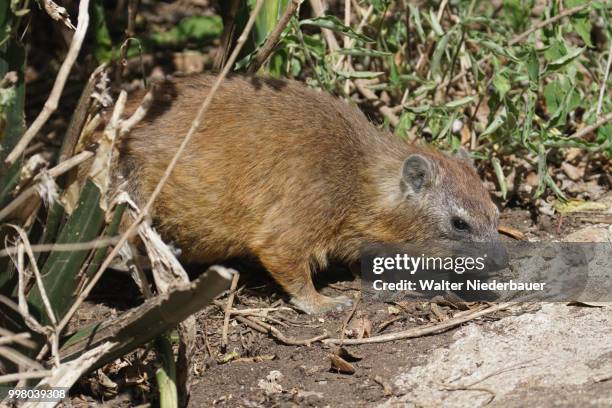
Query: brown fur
x=290, y=175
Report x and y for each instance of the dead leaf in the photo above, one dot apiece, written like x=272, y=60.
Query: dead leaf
x=579, y=205
x=392, y=310
x=511, y=232
x=572, y=154
x=360, y=328
x=572, y=172
x=438, y=312
x=226, y=358
x=340, y=365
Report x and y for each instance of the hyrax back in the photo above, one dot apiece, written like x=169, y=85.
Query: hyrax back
x=294, y=177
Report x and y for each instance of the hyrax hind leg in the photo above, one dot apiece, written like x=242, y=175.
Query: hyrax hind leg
x=296, y=278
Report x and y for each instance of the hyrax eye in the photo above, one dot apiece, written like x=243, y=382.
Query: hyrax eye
x=460, y=224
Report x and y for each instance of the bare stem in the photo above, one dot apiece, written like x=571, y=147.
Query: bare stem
x=602, y=91
x=228, y=308
x=67, y=247
x=56, y=171
x=272, y=40
x=58, y=86
x=588, y=129
x=564, y=13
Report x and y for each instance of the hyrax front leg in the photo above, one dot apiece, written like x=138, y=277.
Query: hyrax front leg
x=296, y=278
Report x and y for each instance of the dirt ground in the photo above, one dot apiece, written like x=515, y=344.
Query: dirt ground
x=256, y=370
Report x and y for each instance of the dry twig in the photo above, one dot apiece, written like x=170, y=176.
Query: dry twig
x=262, y=327
x=228, y=308
x=68, y=373
x=421, y=331
x=140, y=113
x=57, y=13
x=350, y=41
x=259, y=310
x=604, y=84
x=386, y=111
x=54, y=172
x=317, y=8
x=19, y=359
x=348, y=317
x=52, y=333
x=67, y=247
x=22, y=339
x=511, y=232
x=155, y=316
x=564, y=13
x=58, y=86
x=28, y=375
x=588, y=129
x=267, y=48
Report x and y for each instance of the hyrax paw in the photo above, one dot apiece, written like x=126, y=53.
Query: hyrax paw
x=322, y=304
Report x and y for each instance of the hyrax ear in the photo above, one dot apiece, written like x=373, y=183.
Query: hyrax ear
x=417, y=174
x=464, y=156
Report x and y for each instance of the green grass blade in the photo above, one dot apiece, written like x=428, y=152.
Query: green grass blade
x=60, y=272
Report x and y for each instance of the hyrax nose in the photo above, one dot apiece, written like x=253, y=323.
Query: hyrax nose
x=497, y=255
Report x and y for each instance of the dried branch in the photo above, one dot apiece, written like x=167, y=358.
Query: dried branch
x=34, y=266
x=66, y=247
x=349, y=42
x=54, y=172
x=22, y=306
x=422, y=331
x=19, y=359
x=140, y=113
x=28, y=375
x=68, y=373
x=57, y=13
x=588, y=129
x=262, y=327
x=267, y=48
x=100, y=170
x=228, y=308
x=58, y=86
x=317, y=8
x=564, y=13
x=195, y=125
x=22, y=339
x=349, y=316
x=386, y=111
x=51, y=333
x=604, y=86
x=258, y=311
x=154, y=317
